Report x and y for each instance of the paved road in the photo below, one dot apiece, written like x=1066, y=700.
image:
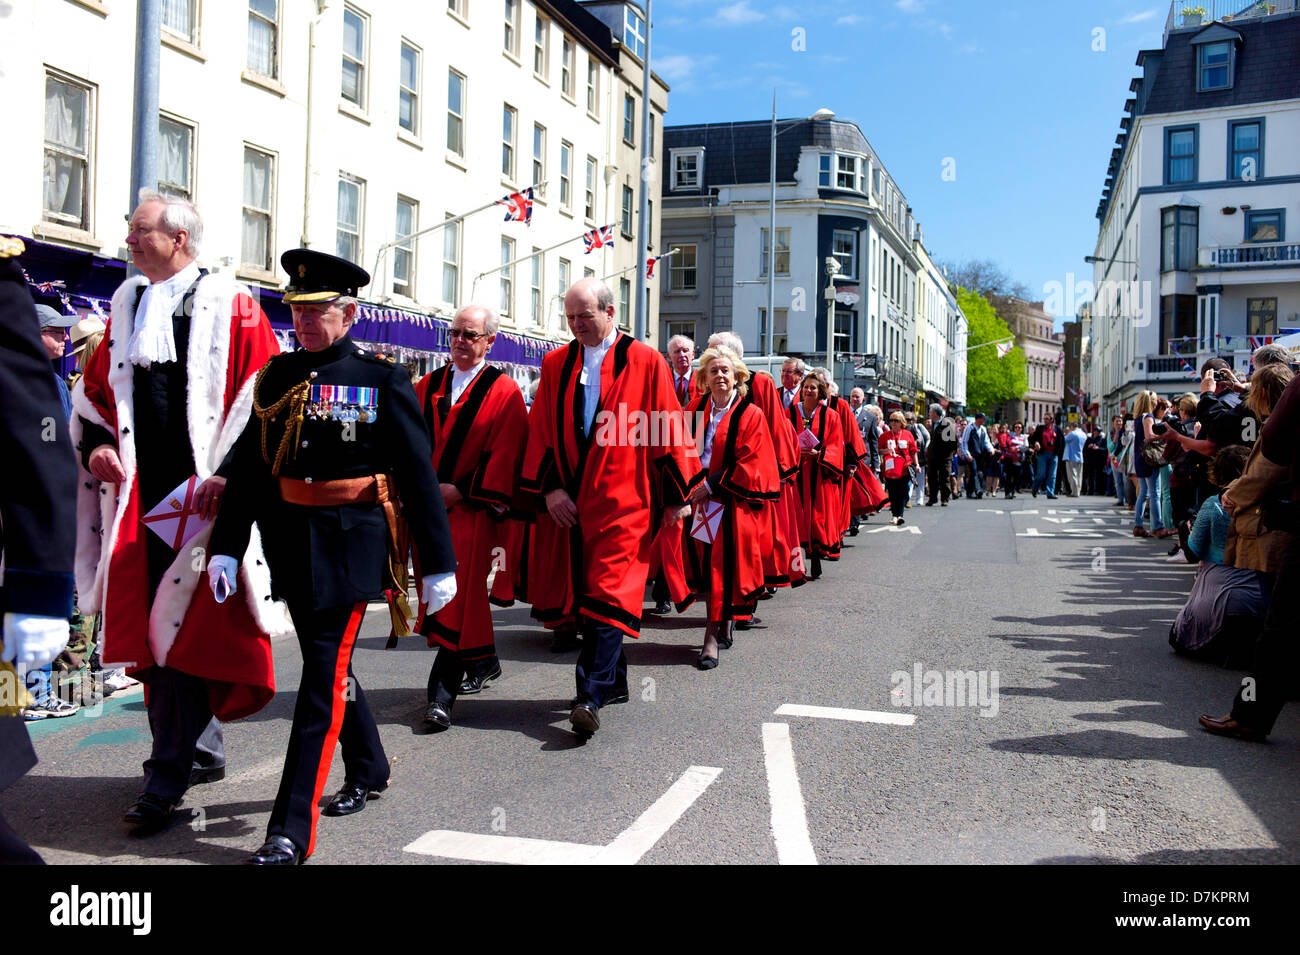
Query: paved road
x=1088, y=751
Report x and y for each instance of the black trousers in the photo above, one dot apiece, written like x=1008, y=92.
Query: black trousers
x=938, y=475
x=185, y=733
x=1263, y=693
x=331, y=709
x=897, y=488
x=602, y=664
x=446, y=675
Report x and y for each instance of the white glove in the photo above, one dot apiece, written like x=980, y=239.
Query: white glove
x=33, y=641
x=223, y=575
x=437, y=590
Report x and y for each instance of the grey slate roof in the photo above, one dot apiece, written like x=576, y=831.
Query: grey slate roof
x=737, y=153
x=1268, y=68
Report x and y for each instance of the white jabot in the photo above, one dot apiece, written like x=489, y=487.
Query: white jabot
x=715, y=415
x=152, y=339
x=591, y=361
x=460, y=380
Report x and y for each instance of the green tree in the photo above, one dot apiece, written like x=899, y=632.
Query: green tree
x=990, y=380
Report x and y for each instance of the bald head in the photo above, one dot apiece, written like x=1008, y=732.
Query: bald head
x=589, y=307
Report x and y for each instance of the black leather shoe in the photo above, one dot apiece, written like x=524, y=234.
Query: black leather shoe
x=662, y=607
x=150, y=814
x=617, y=695
x=706, y=663
x=584, y=718
x=351, y=798
x=206, y=774
x=437, y=718
x=747, y=624
x=277, y=850
x=476, y=683
x=565, y=641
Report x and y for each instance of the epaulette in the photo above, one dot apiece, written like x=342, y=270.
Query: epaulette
x=375, y=356
x=11, y=246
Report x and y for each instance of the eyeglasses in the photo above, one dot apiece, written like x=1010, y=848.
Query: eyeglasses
x=468, y=336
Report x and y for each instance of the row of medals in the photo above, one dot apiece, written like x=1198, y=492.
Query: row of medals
x=333, y=412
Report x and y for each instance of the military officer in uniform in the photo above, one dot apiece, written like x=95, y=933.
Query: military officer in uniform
x=335, y=437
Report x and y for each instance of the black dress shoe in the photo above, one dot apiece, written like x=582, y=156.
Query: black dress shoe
x=206, y=774
x=706, y=663
x=584, y=718
x=351, y=798
x=437, y=718
x=745, y=625
x=476, y=682
x=150, y=814
x=617, y=695
x=565, y=641
x=277, y=850
x=662, y=607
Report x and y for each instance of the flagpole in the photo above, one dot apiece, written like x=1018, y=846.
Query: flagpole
x=643, y=237
x=525, y=258
x=374, y=273
x=658, y=259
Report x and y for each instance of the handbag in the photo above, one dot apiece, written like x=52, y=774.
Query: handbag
x=1153, y=453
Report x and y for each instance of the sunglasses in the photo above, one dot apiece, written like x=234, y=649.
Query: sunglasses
x=468, y=336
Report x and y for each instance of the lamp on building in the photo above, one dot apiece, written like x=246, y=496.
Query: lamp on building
x=1228, y=210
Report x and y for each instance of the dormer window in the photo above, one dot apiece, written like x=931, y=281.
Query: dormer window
x=1214, y=66
x=687, y=167
x=634, y=32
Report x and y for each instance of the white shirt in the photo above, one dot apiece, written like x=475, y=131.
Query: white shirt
x=591, y=361
x=715, y=415
x=460, y=380
x=787, y=396
x=152, y=340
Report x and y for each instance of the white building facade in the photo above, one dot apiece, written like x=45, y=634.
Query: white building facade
x=1194, y=258
x=336, y=125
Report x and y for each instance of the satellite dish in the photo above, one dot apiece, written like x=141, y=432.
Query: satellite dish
x=824, y=113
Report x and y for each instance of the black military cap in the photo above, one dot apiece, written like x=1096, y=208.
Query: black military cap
x=317, y=277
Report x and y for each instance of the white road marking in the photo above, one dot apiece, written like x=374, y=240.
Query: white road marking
x=789, y=821
x=895, y=529
x=839, y=713
x=626, y=849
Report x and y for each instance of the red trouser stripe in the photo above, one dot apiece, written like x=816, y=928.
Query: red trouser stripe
x=337, y=707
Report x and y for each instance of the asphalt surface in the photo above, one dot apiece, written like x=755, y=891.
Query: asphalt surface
x=1088, y=752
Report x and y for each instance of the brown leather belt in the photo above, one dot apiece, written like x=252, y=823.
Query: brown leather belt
x=372, y=489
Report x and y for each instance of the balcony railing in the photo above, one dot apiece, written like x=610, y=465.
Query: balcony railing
x=1225, y=10
x=1248, y=254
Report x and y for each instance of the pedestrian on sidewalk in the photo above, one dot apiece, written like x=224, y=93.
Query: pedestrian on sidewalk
x=897, y=452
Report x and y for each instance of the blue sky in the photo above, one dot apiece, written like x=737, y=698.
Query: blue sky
x=1012, y=90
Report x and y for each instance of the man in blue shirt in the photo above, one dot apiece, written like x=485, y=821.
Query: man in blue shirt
x=1074, y=441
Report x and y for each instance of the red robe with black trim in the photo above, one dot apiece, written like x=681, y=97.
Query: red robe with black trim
x=635, y=462
x=780, y=566
x=477, y=442
x=228, y=645
x=743, y=472
x=821, y=480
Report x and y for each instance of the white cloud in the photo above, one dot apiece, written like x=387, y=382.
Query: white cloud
x=679, y=68
x=910, y=6
x=736, y=14
x=1137, y=17
x=848, y=20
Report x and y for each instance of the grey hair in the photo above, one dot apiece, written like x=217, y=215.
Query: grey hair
x=798, y=363
x=729, y=339
x=604, y=297
x=343, y=301
x=936, y=408
x=178, y=214
x=491, y=320
x=681, y=338
x=1270, y=354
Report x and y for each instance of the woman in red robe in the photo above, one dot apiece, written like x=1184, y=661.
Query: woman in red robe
x=780, y=566
x=736, y=449
x=821, y=472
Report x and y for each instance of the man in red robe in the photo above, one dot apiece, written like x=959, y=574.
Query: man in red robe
x=607, y=449
x=478, y=423
x=162, y=401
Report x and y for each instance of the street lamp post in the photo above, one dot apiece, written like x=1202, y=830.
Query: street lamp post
x=832, y=269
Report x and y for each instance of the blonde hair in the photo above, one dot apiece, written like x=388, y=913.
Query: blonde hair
x=738, y=368
x=1188, y=403
x=1145, y=404
x=86, y=350
x=1266, y=387
x=899, y=417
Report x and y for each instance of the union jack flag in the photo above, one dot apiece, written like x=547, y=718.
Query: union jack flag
x=650, y=266
x=1259, y=341
x=519, y=206
x=598, y=238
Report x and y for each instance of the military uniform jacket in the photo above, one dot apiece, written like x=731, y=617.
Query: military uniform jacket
x=344, y=413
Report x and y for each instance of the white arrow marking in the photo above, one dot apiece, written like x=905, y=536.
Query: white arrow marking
x=789, y=821
x=627, y=849
x=853, y=716
x=1033, y=532
x=988, y=510
x=1059, y=520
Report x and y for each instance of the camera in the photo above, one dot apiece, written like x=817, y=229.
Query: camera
x=1222, y=374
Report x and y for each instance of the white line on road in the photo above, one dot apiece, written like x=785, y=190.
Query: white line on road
x=626, y=849
x=789, y=821
x=839, y=713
